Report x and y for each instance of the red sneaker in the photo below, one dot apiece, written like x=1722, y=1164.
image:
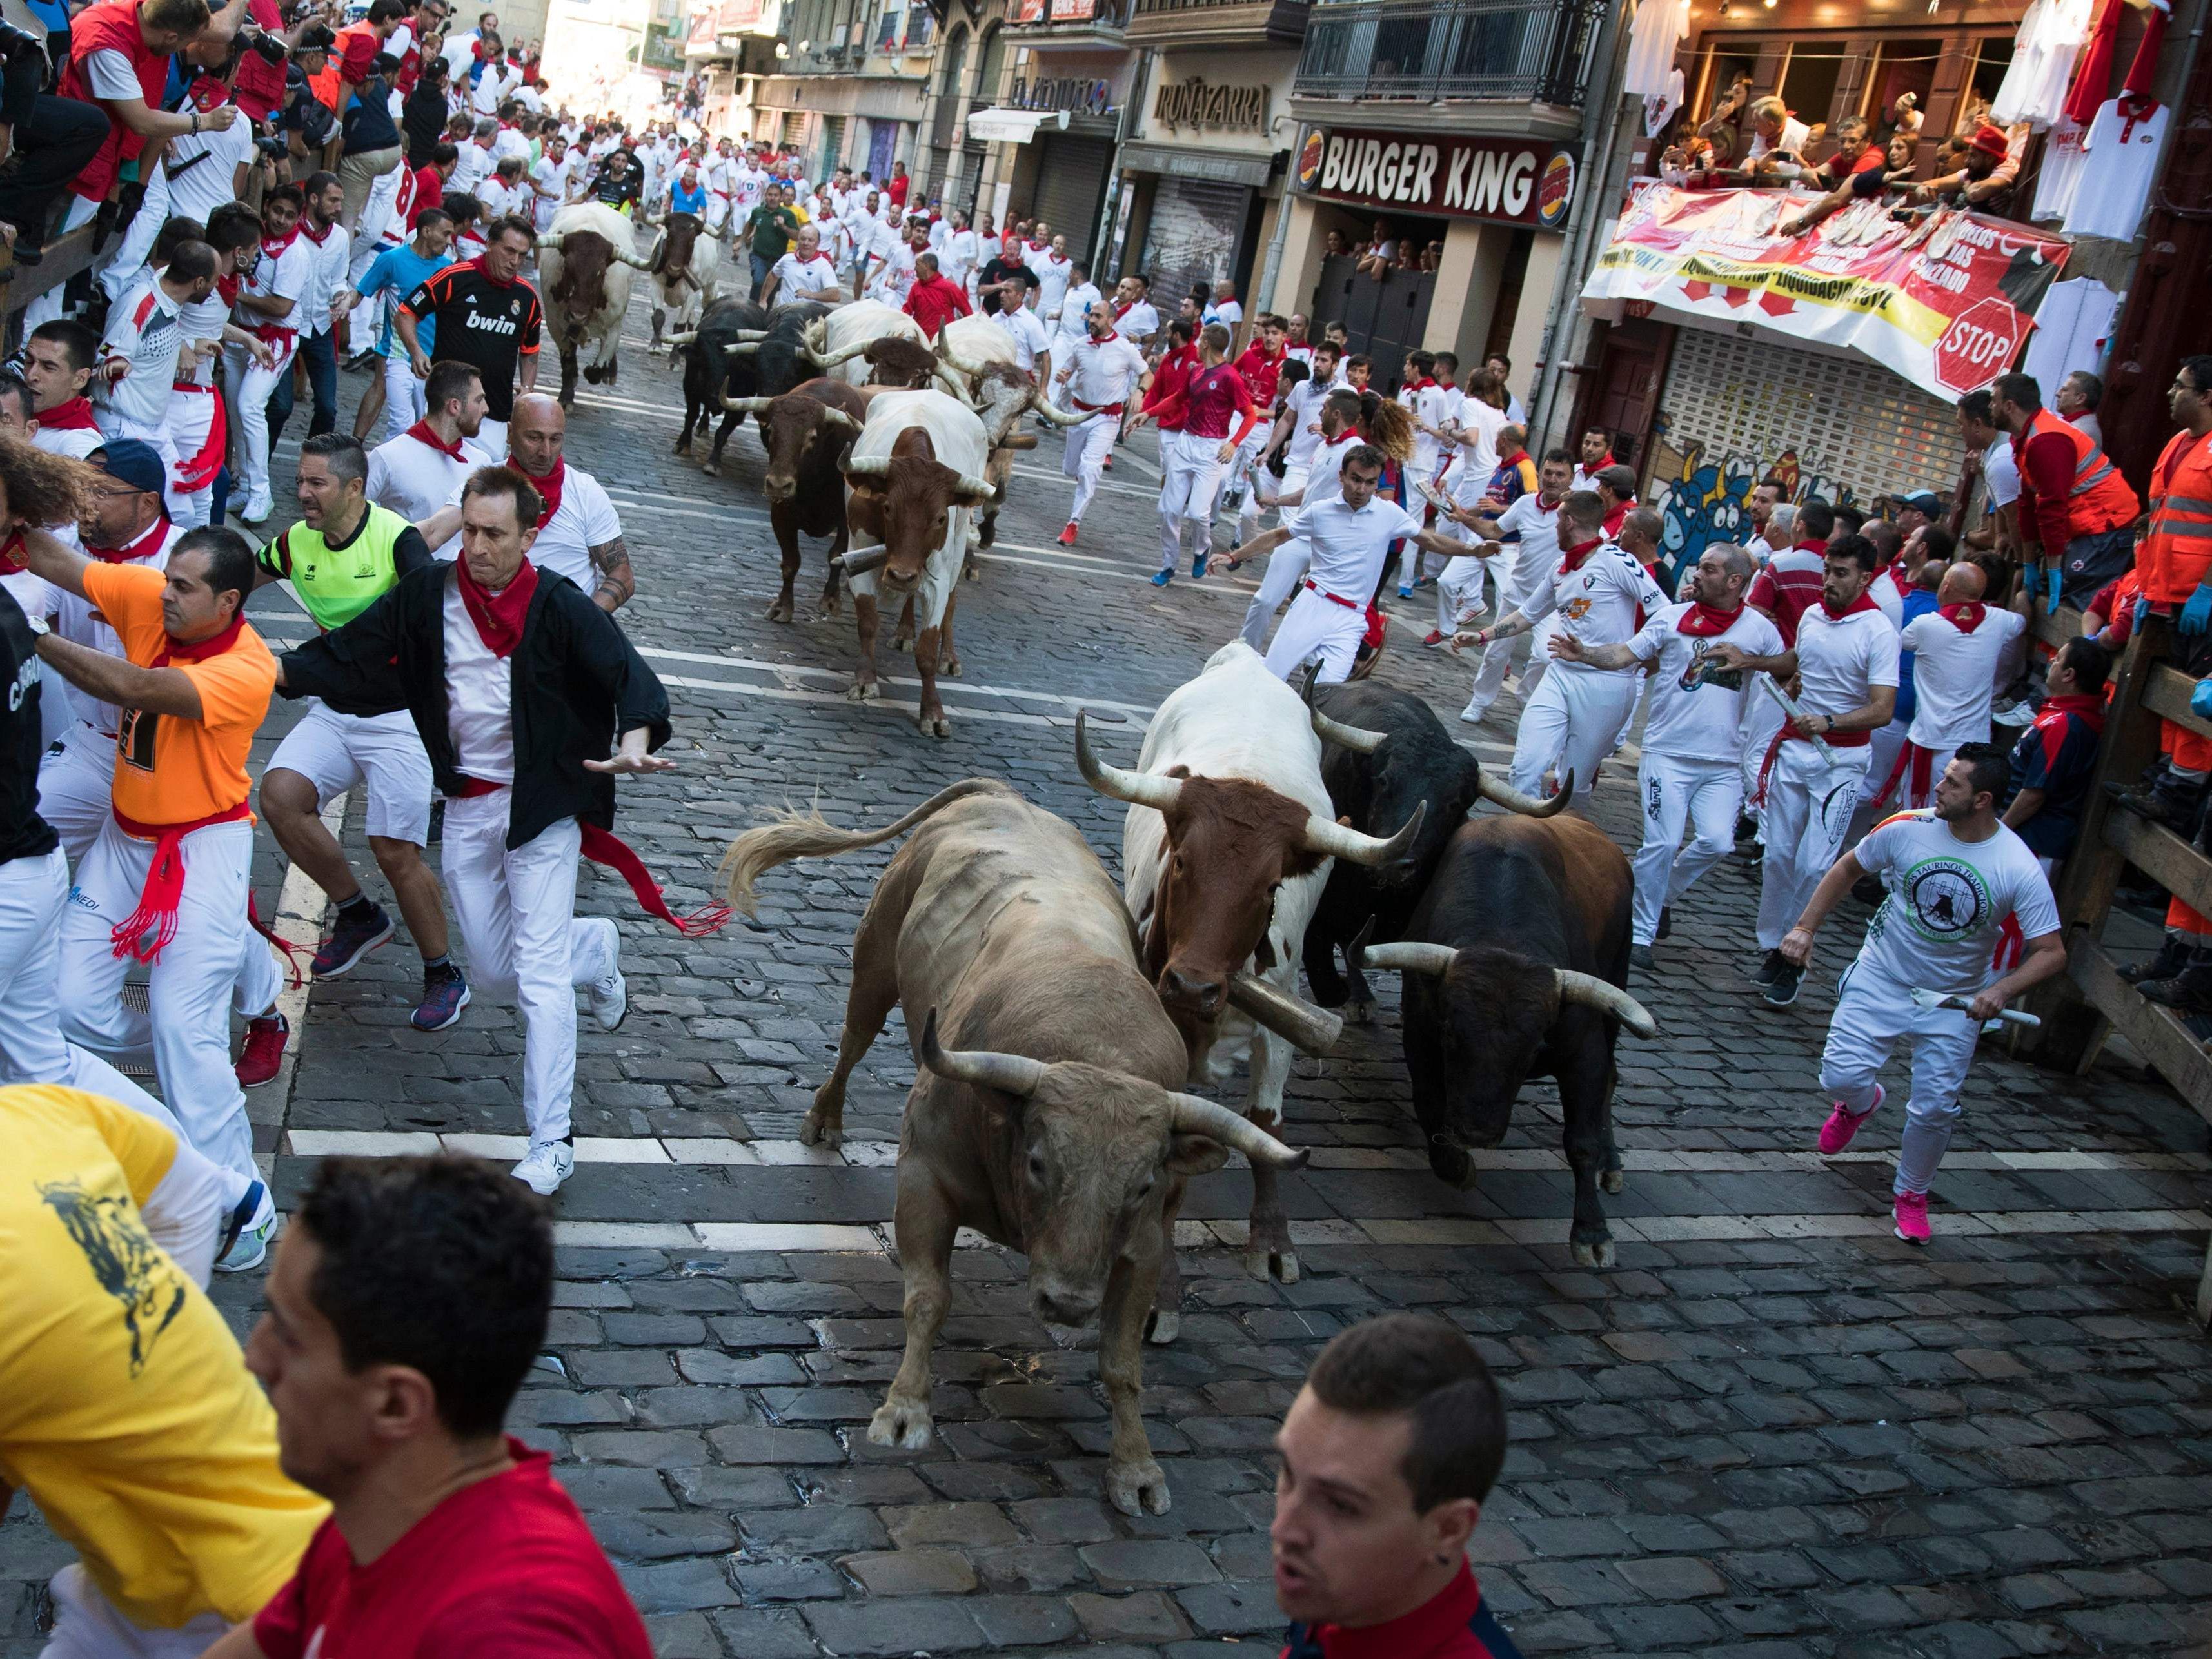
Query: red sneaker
x=1836, y=1133
x=1910, y=1213
x=1108, y=463
x=258, y=1062
x=1433, y=638
x=1067, y=536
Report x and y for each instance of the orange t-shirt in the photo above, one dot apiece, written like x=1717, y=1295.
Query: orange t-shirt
x=169, y=769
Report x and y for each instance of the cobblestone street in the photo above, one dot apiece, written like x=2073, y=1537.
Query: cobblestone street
x=1772, y=1430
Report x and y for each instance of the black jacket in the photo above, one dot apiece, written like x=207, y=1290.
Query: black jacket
x=579, y=684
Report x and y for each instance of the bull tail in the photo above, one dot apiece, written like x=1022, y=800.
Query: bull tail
x=795, y=835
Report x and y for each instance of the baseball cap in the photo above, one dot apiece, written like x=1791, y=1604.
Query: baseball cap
x=1924, y=501
x=1991, y=140
x=128, y=460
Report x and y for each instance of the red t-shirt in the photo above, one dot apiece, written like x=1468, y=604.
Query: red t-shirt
x=429, y=192
x=505, y=1569
x=896, y=190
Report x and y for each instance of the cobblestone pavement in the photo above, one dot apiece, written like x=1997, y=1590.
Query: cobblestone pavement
x=1772, y=1431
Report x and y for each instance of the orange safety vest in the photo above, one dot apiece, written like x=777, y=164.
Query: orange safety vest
x=2174, y=556
x=2098, y=500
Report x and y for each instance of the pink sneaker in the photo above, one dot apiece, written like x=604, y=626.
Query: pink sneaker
x=1836, y=1133
x=1912, y=1212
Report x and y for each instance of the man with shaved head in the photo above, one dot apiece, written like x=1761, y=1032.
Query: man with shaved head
x=1962, y=651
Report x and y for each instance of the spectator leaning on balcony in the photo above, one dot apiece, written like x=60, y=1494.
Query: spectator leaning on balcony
x=44, y=140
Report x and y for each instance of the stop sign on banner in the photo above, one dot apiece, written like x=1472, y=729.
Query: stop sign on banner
x=1978, y=345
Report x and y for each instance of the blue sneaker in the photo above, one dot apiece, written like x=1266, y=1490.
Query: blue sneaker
x=1404, y=592
x=245, y=1234
x=1198, y=564
x=351, y=940
x=445, y=994
x=1163, y=579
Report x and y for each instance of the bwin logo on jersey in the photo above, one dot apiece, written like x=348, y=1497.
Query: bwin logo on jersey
x=485, y=325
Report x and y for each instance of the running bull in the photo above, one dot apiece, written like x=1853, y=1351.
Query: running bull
x=1047, y=1114
x=584, y=266
x=808, y=432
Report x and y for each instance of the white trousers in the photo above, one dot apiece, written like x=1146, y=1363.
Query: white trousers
x=1085, y=460
x=404, y=402
x=1569, y=726
x=1459, y=593
x=254, y=384
x=1317, y=627
x=1497, y=654
x=1762, y=719
x=186, y=1029
x=33, y=893
x=76, y=786
x=334, y=752
x=1873, y=1011
x=1245, y=474
x=1677, y=793
x=192, y=414
x=517, y=913
x=1883, y=750
x=1190, y=485
x=375, y=216
x=1287, y=568
x=88, y=1626
x=1810, y=795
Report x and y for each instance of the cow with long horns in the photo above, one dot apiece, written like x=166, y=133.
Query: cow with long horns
x=984, y=370
x=870, y=344
x=1514, y=962
x=1375, y=790
x=914, y=475
x=685, y=269
x=807, y=432
x=1048, y=1113
x=1224, y=853
x=584, y=266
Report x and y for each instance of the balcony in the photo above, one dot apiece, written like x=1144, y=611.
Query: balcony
x=1169, y=24
x=1068, y=22
x=1495, y=50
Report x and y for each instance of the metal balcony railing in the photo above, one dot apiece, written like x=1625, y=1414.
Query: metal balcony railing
x=1507, y=50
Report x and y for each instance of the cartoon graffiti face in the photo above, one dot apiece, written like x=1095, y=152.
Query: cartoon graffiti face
x=1710, y=501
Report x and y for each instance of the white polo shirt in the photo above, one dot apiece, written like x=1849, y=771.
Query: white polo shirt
x=1028, y=333
x=1349, y=546
x=795, y=279
x=1530, y=531
x=1597, y=601
x=1840, y=660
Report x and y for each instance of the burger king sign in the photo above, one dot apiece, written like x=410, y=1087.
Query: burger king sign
x=1508, y=180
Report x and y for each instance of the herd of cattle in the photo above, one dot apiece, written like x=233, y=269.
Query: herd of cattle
x=1059, y=1022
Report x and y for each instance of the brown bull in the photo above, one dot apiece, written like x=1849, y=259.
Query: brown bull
x=806, y=432
x=1054, y=1122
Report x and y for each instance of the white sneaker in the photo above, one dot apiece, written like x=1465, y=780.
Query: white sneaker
x=545, y=1166
x=1475, y=713
x=258, y=510
x=249, y=1245
x=610, y=993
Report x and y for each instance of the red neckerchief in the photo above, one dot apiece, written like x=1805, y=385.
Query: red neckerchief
x=1578, y=555
x=478, y=265
x=10, y=564
x=176, y=650
x=75, y=416
x=229, y=287
x=2090, y=706
x=1820, y=547
x=422, y=434
x=1895, y=571
x=549, y=488
x=1864, y=602
x=1438, y=1625
x=208, y=94
x=1965, y=617
x=1603, y=462
x=138, y=550
x=1703, y=621
x=1617, y=518
x=1423, y=384
x=276, y=249
x=308, y=231
x=498, y=616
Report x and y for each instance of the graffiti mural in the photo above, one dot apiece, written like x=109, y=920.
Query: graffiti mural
x=1709, y=499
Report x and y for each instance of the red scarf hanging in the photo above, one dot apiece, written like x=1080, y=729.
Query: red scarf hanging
x=75, y=416
x=1579, y=553
x=604, y=846
x=549, y=488
x=2088, y=706
x=2093, y=72
x=1703, y=621
x=1864, y=602
x=422, y=434
x=229, y=287
x=498, y=616
x=313, y=235
x=1965, y=617
x=142, y=547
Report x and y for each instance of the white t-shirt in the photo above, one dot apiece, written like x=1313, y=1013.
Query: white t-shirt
x=1302, y=408
x=1348, y=546
x=143, y=330
x=475, y=165
x=1532, y=531
x=1075, y=305
x=894, y=278
x=1227, y=312
x=958, y=256
x=1053, y=271
x=1948, y=899
x=196, y=191
x=1427, y=404
x=1028, y=333
x=286, y=275
x=415, y=480
x=1482, y=423
x=1597, y=601
x=555, y=176
x=39, y=599
x=2000, y=473
x=1104, y=370
x=331, y=257
x=1954, y=675
x=510, y=142
x=1839, y=661
x=479, y=696
x=1694, y=716
x=795, y=279
x=1140, y=322
x=585, y=520
x=111, y=76
x=2120, y=154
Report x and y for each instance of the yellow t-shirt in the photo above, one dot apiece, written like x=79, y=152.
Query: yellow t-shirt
x=126, y=1411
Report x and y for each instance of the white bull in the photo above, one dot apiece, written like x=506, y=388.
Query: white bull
x=841, y=343
x=914, y=478
x=584, y=266
x=686, y=270
x=982, y=365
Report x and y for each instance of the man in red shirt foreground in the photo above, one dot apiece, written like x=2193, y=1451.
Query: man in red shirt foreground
x=935, y=299
x=407, y=1299
x=1387, y=1455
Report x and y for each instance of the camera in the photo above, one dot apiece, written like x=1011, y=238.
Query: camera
x=270, y=46
x=275, y=148
x=16, y=46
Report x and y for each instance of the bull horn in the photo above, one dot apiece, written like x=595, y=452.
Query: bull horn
x=1334, y=839
x=684, y=337
x=1356, y=738
x=744, y=350
x=551, y=243
x=942, y=373
x=1074, y=417
x=1411, y=956
x=859, y=563
x=752, y=334
x=964, y=365
x=1594, y=992
x=1291, y=1017
x=985, y=1068
x=867, y=466
x=1020, y=440
x=633, y=260
x=971, y=491
x=1195, y=1116
x=838, y=358
x=747, y=405
x=1514, y=801
x=1138, y=788
x=841, y=420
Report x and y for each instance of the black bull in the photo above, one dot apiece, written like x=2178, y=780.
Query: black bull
x=773, y=362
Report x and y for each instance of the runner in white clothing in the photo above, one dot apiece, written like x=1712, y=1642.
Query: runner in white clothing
x=1961, y=651
x=1573, y=720
x=1323, y=481
x=1528, y=531
x=1845, y=664
x=1096, y=377
x=1074, y=324
x=1688, y=777
x=423, y=468
x=138, y=358
x=803, y=273
x=1969, y=915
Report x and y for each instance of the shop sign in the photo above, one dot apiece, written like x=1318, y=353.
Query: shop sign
x=1053, y=11
x=1945, y=300
x=1195, y=103
x=1512, y=181
x=1075, y=96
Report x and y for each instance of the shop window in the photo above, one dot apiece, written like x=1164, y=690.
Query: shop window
x=1809, y=81
x=1899, y=67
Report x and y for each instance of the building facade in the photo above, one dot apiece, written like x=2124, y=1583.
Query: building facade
x=848, y=84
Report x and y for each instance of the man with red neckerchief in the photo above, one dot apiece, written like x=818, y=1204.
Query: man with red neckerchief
x=1261, y=366
x=1596, y=455
x=423, y=468
x=465, y=646
x=1213, y=398
x=165, y=880
x=1960, y=650
x=58, y=359
x=1386, y=1457
x=486, y=315
x=1844, y=657
x=273, y=306
x=1097, y=376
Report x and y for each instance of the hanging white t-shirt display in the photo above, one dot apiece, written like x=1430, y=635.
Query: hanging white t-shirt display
x=2071, y=327
x=2059, y=176
x=1659, y=29
x=2045, y=52
x=2122, y=150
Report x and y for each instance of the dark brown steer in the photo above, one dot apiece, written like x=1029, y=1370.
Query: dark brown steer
x=807, y=432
